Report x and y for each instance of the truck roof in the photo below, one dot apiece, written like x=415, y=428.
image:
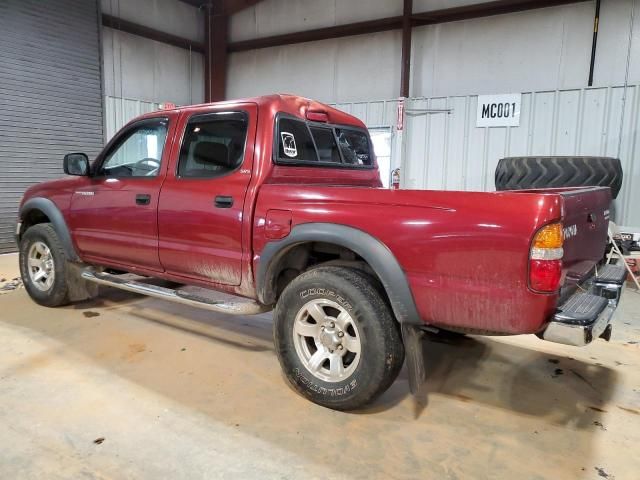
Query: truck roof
x=280, y=102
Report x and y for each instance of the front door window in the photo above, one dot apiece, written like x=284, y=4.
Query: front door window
x=138, y=153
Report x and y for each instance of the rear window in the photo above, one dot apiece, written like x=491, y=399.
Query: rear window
x=295, y=141
x=300, y=142
x=354, y=146
x=326, y=144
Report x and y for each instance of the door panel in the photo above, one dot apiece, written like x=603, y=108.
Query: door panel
x=114, y=216
x=200, y=213
x=110, y=226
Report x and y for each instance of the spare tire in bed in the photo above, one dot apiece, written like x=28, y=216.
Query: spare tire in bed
x=518, y=173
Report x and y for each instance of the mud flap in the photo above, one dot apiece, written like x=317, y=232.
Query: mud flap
x=412, y=336
x=79, y=289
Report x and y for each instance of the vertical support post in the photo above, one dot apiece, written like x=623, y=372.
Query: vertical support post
x=594, y=42
x=405, y=72
x=216, y=23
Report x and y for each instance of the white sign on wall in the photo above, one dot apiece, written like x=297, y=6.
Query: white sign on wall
x=499, y=110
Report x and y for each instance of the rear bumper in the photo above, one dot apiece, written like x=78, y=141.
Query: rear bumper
x=587, y=314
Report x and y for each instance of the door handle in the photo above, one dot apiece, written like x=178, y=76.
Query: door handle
x=224, y=201
x=143, y=199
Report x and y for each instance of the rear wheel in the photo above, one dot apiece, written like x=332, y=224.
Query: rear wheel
x=336, y=338
x=43, y=265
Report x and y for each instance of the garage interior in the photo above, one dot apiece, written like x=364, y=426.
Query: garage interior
x=126, y=386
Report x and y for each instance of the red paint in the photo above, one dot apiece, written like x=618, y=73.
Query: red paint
x=315, y=116
x=465, y=254
x=196, y=239
x=400, y=115
x=277, y=224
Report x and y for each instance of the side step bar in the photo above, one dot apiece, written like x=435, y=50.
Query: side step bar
x=177, y=296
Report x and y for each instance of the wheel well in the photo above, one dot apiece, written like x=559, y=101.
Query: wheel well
x=33, y=217
x=304, y=256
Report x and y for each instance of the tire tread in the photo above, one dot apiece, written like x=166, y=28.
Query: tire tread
x=519, y=173
x=389, y=341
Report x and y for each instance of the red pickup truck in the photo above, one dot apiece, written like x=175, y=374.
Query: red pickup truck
x=278, y=200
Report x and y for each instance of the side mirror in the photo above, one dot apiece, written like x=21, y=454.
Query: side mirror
x=76, y=164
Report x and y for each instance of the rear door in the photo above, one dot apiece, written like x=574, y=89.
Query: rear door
x=200, y=214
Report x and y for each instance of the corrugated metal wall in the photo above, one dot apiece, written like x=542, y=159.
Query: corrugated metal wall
x=445, y=150
x=50, y=94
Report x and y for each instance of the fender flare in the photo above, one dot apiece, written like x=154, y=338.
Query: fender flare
x=372, y=250
x=56, y=218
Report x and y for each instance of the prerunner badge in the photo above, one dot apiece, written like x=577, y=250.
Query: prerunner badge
x=289, y=144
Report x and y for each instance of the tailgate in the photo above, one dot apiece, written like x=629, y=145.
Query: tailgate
x=585, y=224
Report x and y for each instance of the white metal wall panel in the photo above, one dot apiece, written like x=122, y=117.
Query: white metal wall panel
x=50, y=94
x=381, y=113
x=354, y=68
x=275, y=17
x=170, y=16
x=447, y=151
x=540, y=49
x=136, y=67
x=118, y=112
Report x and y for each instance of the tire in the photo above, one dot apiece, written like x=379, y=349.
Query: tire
x=355, y=317
x=49, y=290
x=518, y=173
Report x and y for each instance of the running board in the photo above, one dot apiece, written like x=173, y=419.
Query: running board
x=177, y=296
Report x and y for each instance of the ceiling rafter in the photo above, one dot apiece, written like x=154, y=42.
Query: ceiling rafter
x=228, y=7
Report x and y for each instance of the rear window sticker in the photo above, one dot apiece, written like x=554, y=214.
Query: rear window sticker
x=289, y=144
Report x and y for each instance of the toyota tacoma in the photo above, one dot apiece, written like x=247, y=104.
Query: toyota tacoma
x=277, y=200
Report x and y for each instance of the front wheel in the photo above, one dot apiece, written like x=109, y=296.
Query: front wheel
x=336, y=338
x=43, y=265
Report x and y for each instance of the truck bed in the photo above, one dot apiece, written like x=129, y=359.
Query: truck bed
x=465, y=254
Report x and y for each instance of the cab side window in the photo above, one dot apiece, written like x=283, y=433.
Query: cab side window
x=138, y=153
x=213, y=145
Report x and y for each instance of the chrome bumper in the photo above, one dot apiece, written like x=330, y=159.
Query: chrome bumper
x=587, y=314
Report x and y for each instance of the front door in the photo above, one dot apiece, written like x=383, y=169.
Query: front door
x=114, y=215
x=200, y=215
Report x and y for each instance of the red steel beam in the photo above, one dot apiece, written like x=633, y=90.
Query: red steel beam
x=228, y=6
x=348, y=30
x=151, y=33
x=216, y=25
x=405, y=67
x=486, y=9
x=466, y=12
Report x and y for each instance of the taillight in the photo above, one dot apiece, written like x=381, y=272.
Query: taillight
x=545, y=259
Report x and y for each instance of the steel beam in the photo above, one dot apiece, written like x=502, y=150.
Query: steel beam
x=348, y=30
x=229, y=7
x=405, y=68
x=485, y=9
x=216, y=25
x=151, y=33
x=478, y=10
x=594, y=43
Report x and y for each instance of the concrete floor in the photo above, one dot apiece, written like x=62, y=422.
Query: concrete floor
x=131, y=387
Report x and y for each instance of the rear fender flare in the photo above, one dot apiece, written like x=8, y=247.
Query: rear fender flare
x=372, y=250
x=56, y=218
